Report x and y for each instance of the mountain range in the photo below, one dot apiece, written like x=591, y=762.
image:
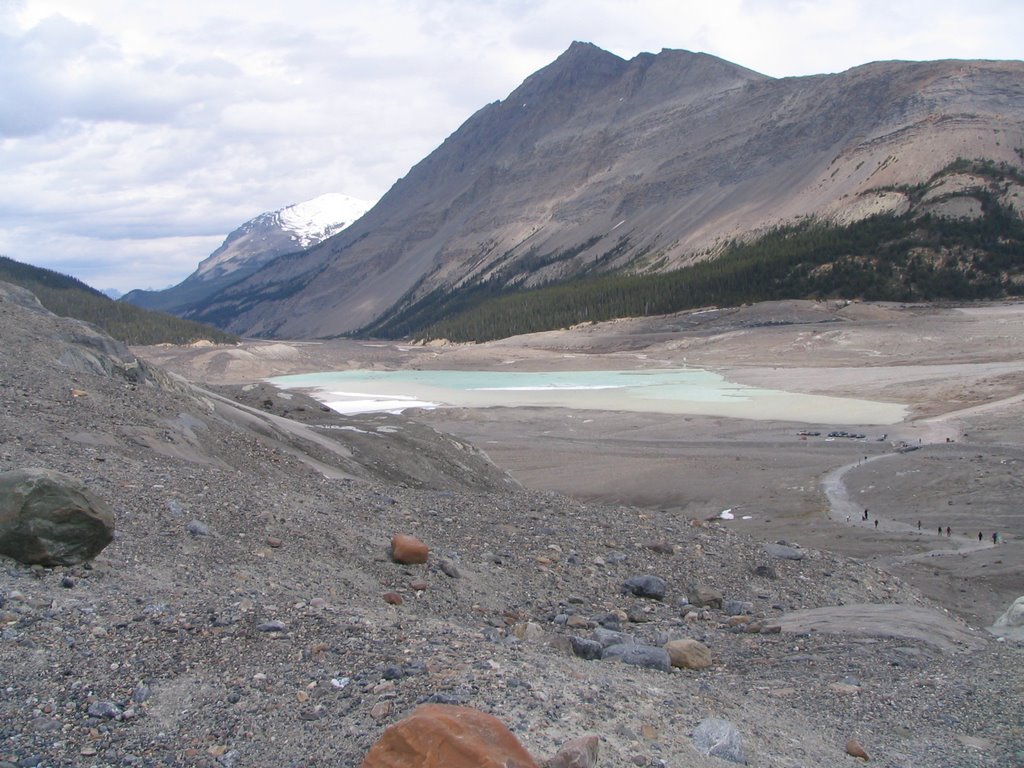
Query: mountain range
x=254, y=244
x=598, y=164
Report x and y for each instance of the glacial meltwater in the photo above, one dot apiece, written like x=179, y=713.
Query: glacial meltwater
x=675, y=391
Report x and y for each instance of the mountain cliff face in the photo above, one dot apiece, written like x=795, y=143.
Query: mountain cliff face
x=253, y=245
x=598, y=163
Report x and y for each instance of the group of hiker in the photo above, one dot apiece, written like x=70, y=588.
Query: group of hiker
x=949, y=533
x=947, y=530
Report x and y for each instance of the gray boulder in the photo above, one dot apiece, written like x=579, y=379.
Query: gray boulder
x=49, y=518
x=645, y=586
x=584, y=648
x=608, y=637
x=706, y=597
x=783, y=551
x=1011, y=623
x=719, y=738
x=647, y=656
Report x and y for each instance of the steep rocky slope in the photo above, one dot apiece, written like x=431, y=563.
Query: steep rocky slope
x=595, y=163
x=239, y=617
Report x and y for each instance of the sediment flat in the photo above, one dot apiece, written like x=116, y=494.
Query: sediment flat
x=953, y=461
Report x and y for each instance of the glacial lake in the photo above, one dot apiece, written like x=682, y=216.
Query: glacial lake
x=672, y=391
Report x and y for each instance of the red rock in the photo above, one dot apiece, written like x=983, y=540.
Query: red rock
x=392, y=598
x=408, y=550
x=445, y=736
x=854, y=748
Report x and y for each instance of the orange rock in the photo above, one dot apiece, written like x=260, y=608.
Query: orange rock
x=408, y=550
x=392, y=598
x=445, y=736
x=854, y=748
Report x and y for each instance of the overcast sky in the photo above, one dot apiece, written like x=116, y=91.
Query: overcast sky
x=134, y=135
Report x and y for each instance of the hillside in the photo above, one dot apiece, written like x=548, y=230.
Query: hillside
x=598, y=164
x=959, y=237
x=69, y=297
x=247, y=611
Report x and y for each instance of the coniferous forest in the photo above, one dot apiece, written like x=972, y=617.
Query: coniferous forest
x=69, y=297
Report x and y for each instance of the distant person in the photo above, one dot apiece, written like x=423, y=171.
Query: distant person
x=995, y=537
x=940, y=530
x=876, y=522
x=980, y=536
x=949, y=531
x=919, y=525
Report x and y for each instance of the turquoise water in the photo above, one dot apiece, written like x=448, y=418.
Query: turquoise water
x=689, y=383
x=678, y=390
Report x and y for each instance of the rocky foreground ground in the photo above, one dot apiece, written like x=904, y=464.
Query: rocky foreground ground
x=248, y=612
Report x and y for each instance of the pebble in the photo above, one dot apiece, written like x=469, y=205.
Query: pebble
x=647, y=586
x=272, y=626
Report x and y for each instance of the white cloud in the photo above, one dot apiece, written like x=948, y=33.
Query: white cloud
x=132, y=141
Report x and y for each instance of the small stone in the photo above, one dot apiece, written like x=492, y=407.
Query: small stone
x=141, y=693
x=197, y=528
x=418, y=585
x=67, y=582
x=449, y=569
x=688, y=653
x=107, y=710
x=661, y=547
x=647, y=656
x=609, y=637
x=392, y=598
x=706, y=597
x=45, y=725
x=737, y=607
x=578, y=622
x=380, y=710
x=446, y=736
x=584, y=648
x=766, y=572
x=647, y=586
x=272, y=626
x=528, y=632
x=578, y=753
x=854, y=749
x=783, y=551
x=719, y=738
x=274, y=542
x=408, y=550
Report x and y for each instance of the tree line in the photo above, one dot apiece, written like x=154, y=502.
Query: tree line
x=69, y=297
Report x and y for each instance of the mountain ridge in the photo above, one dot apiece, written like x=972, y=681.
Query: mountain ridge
x=649, y=164
x=253, y=245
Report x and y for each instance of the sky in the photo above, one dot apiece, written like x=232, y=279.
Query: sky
x=135, y=135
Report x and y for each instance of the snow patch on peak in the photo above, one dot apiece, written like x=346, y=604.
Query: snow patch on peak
x=320, y=218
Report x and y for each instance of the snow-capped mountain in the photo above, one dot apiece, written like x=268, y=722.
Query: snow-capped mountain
x=254, y=244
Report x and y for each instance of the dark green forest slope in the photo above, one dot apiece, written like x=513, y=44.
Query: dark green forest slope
x=917, y=256
x=68, y=297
